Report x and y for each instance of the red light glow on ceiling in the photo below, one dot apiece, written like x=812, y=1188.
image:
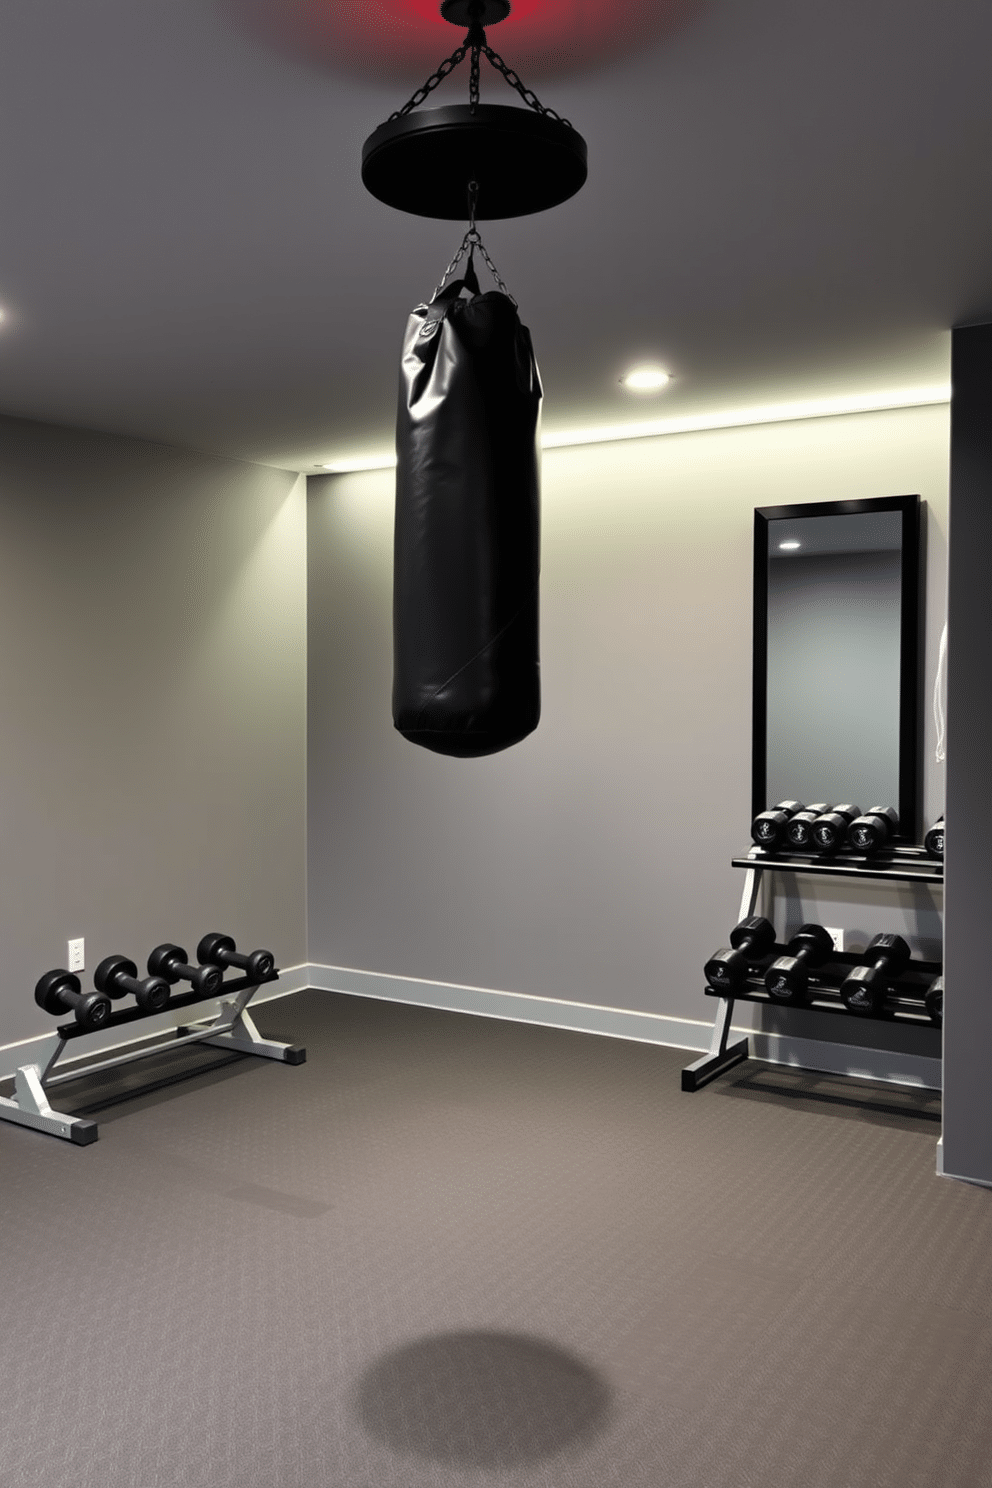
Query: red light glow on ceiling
x=390, y=38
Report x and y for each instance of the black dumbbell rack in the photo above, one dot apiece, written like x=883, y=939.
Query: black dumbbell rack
x=900, y=864
x=231, y=1027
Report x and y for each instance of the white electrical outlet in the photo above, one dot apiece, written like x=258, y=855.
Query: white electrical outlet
x=76, y=955
x=837, y=936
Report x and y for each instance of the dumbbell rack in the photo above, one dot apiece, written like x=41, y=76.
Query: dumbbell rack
x=899, y=864
x=231, y=1027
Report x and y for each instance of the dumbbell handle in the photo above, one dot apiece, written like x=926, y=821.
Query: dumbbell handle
x=169, y=962
x=812, y=945
x=865, y=986
x=237, y=958
x=220, y=950
x=117, y=976
x=883, y=961
x=880, y=959
x=133, y=984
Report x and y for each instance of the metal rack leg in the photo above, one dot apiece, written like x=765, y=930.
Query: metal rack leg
x=750, y=892
x=29, y=1106
x=240, y=1032
x=720, y=1057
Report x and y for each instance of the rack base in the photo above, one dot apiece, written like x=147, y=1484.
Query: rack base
x=757, y=863
x=721, y=1057
x=231, y=1027
x=696, y=1075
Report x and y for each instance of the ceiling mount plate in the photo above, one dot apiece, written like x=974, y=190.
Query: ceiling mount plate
x=524, y=162
x=465, y=12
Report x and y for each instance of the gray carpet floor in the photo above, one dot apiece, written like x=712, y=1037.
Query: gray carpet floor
x=449, y=1251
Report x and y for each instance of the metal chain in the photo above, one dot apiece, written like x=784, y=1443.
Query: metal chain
x=475, y=46
x=527, y=94
x=491, y=266
x=436, y=78
x=473, y=240
x=473, y=82
x=463, y=249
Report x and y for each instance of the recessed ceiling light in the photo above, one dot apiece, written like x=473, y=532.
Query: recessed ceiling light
x=790, y=545
x=645, y=379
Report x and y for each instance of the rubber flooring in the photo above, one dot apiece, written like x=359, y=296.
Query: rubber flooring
x=450, y=1252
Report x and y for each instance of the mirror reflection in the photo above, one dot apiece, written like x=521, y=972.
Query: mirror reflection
x=834, y=618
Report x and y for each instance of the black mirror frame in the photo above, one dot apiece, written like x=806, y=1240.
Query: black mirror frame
x=911, y=651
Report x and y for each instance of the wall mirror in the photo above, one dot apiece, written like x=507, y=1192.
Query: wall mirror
x=836, y=655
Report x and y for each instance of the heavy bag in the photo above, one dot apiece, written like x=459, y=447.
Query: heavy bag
x=466, y=669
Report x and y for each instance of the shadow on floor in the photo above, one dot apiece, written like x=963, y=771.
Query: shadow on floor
x=147, y=1083
x=906, y=1107
x=482, y=1399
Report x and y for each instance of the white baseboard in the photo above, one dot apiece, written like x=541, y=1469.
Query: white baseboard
x=650, y=1028
x=28, y=1051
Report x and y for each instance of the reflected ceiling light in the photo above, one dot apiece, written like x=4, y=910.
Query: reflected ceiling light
x=771, y=413
x=645, y=379
x=348, y=464
x=739, y=418
x=785, y=545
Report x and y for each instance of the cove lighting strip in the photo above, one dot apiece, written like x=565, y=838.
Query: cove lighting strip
x=738, y=418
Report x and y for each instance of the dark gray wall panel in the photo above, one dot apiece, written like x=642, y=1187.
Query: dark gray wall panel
x=968, y=1019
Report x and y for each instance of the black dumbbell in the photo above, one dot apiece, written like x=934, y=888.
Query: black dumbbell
x=830, y=829
x=863, y=989
x=170, y=962
x=798, y=834
x=220, y=950
x=769, y=826
x=934, y=840
x=934, y=999
x=873, y=830
x=117, y=976
x=61, y=991
x=787, y=979
x=727, y=970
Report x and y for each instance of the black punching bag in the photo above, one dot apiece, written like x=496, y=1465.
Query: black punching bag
x=466, y=672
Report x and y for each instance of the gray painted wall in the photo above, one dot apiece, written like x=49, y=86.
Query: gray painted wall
x=968, y=1018
x=591, y=862
x=152, y=703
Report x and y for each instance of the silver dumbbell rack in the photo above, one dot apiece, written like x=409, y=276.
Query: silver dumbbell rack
x=901, y=864
x=231, y=1027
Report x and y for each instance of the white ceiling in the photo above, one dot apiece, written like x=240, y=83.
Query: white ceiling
x=786, y=198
